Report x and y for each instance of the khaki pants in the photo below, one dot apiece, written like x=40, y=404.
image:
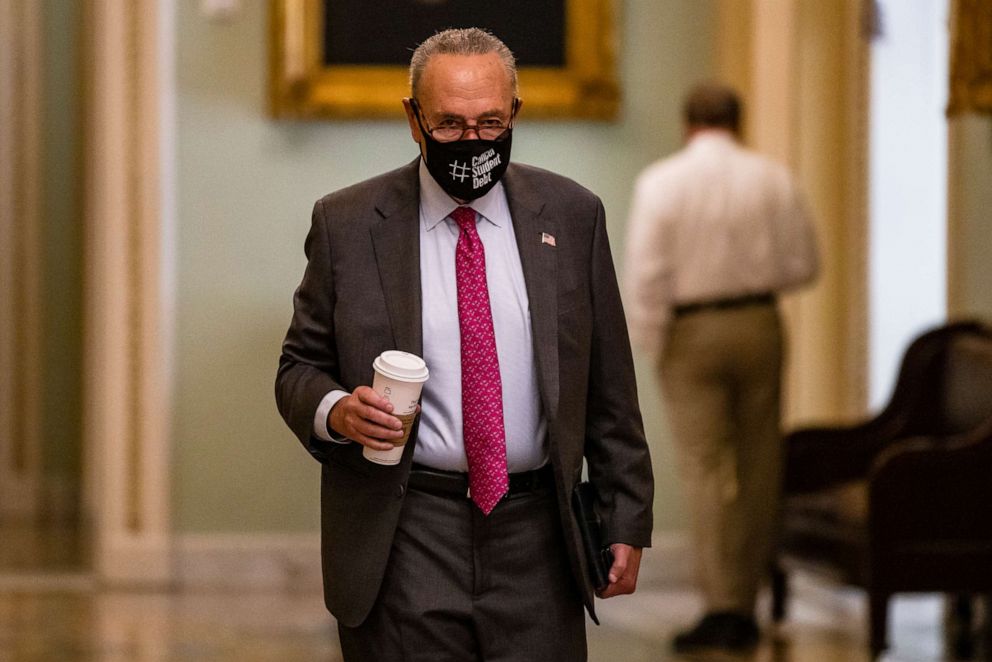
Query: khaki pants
x=721, y=379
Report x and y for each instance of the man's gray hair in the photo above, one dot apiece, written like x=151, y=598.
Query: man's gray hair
x=461, y=41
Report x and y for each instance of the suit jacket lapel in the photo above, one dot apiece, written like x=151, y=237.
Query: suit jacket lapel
x=396, y=240
x=539, y=260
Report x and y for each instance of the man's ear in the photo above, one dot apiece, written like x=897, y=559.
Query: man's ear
x=411, y=119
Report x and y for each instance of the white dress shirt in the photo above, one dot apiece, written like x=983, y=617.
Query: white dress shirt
x=439, y=440
x=714, y=221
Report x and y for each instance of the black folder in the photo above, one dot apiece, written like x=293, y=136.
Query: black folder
x=598, y=555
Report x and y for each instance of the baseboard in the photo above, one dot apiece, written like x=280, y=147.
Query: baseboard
x=122, y=561
x=292, y=561
x=248, y=561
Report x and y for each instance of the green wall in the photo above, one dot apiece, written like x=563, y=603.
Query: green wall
x=246, y=186
x=245, y=189
x=61, y=237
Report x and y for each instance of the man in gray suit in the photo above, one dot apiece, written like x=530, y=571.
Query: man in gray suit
x=500, y=276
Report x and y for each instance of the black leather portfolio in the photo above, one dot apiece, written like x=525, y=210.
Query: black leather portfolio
x=598, y=554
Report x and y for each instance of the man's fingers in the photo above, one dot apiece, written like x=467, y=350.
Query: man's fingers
x=623, y=572
x=371, y=420
x=365, y=417
x=371, y=423
x=377, y=409
x=623, y=586
x=370, y=397
x=619, y=566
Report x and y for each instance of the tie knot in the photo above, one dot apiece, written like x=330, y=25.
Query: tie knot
x=464, y=217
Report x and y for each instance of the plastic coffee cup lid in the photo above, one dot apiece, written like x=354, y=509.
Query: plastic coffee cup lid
x=403, y=366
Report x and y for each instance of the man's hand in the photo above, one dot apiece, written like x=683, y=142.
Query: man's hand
x=623, y=572
x=366, y=417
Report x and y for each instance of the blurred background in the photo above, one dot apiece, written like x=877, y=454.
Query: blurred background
x=152, y=227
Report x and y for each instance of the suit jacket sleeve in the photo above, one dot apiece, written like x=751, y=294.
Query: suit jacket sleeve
x=309, y=358
x=616, y=451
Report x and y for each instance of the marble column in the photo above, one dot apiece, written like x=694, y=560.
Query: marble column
x=128, y=271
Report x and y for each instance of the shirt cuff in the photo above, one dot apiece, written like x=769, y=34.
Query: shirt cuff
x=320, y=428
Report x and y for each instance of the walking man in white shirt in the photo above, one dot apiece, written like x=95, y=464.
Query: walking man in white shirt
x=715, y=232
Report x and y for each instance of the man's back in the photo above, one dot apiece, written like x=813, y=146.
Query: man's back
x=733, y=220
x=710, y=222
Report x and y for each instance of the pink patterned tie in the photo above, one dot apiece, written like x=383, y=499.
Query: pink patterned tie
x=482, y=388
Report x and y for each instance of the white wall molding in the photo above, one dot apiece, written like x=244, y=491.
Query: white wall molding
x=245, y=560
x=20, y=257
x=127, y=403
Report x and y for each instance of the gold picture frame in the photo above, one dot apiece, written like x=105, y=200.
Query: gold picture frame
x=302, y=86
x=970, y=89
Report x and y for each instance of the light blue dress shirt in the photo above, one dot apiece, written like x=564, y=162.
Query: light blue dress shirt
x=439, y=442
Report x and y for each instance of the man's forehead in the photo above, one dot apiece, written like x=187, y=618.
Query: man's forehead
x=461, y=59
x=444, y=70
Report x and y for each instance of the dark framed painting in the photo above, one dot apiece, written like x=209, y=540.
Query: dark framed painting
x=349, y=58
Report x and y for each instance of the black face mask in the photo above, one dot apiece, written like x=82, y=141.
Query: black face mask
x=466, y=169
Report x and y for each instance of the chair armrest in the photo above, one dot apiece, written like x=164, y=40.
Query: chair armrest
x=820, y=457
x=933, y=488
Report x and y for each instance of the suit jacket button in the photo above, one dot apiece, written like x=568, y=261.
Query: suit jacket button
x=400, y=490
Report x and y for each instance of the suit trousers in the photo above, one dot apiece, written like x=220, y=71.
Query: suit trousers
x=461, y=586
x=721, y=381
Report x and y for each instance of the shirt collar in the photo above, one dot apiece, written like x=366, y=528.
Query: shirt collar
x=713, y=136
x=436, y=205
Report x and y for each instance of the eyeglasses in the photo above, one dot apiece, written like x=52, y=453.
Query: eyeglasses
x=450, y=129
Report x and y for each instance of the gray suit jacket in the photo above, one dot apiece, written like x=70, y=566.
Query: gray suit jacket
x=360, y=295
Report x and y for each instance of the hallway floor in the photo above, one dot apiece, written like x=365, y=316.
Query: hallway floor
x=64, y=618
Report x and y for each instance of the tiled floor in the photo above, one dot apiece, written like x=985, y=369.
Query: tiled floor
x=65, y=619
x=51, y=611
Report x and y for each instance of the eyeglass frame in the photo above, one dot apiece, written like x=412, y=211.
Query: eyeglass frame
x=465, y=128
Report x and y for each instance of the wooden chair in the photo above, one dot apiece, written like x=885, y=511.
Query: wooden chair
x=901, y=502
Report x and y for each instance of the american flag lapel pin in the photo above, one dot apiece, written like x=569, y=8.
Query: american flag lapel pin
x=548, y=239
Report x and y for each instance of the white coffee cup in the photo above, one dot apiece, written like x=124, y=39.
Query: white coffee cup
x=399, y=378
